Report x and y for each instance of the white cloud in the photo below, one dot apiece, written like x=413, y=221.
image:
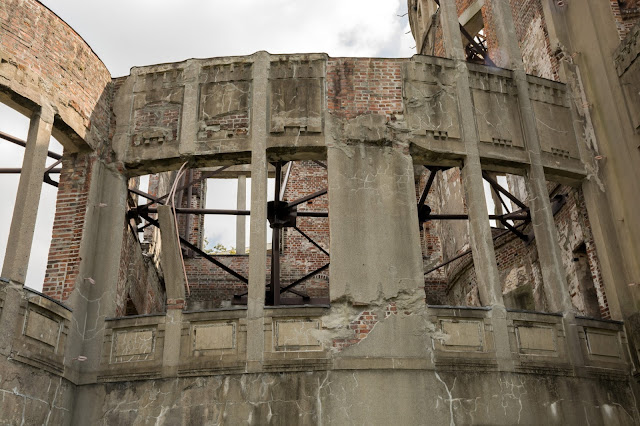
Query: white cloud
x=142, y=32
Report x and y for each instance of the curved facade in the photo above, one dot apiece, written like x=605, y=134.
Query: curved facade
x=124, y=332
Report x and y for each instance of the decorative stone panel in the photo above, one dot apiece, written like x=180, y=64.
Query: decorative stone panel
x=604, y=343
x=496, y=107
x=133, y=345
x=297, y=335
x=213, y=336
x=430, y=99
x=44, y=329
x=156, y=113
x=224, y=99
x=553, y=118
x=463, y=335
x=296, y=89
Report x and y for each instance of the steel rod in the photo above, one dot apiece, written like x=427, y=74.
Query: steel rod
x=306, y=277
x=310, y=240
x=498, y=187
x=23, y=144
x=312, y=214
x=427, y=187
x=18, y=170
x=308, y=198
x=185, y=210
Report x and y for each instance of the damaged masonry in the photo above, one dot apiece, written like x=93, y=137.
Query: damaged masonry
x=451, y=237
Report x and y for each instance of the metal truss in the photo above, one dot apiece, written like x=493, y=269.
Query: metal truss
x=281, y=214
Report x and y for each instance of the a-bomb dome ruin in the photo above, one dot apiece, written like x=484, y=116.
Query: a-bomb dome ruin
x=452, y=238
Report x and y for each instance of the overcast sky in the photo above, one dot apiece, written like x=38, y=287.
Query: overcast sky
x=142, y=32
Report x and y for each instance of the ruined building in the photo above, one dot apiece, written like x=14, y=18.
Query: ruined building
x=450, y=238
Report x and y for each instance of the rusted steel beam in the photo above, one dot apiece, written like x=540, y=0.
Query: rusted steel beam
x=498, y=187
x=307, y=198
x=184, y=210
x=23, y=144
x=306, y=277
x=310, y=240
x=18, y=170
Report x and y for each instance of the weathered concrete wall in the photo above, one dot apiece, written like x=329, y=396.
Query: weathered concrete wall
x=29, y=396
x=350, y=397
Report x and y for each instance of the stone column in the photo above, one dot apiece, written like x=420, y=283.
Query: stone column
x=258, y=221
x=16, y=258
x=241, y=220
x=544, y=226
x=484, y=258
x=175, y=283
x=23, y=222
x=541, y=214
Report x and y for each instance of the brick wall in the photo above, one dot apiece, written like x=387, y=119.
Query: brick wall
x=358, y=86
x=68, y=225
x=626, y=14
x=40, y=51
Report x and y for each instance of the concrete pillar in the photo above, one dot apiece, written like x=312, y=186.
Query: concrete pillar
x=16, y=258
x=553, y=273
x=175, y=284
x=241, y=220
x=93, y=298
x=541, y=214
x=23, y=222
x=375, y=253
x=258, y=224
x=484, y=258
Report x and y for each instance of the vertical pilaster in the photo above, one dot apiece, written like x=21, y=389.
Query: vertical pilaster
x=541, y=214
x=23, y=222
x=484, y=257
x=258, y=221
x=175, y=283
x=544, y=227
x=241, y=220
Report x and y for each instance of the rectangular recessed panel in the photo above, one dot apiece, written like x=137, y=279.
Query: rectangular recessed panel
x=214, y=336
x=42, y=328
x=134, y=343
x=297, y=334
x=463, y=334
x=603, y=344
x=536, y=338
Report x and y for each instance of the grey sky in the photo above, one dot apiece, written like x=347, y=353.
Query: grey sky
x=142, y=32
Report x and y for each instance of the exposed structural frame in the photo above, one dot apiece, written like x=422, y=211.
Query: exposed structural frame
x=522, y=214
x=281, y=214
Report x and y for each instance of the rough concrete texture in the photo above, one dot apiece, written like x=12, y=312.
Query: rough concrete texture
x=348, y=397
x=364, y=181
x=34, y=397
